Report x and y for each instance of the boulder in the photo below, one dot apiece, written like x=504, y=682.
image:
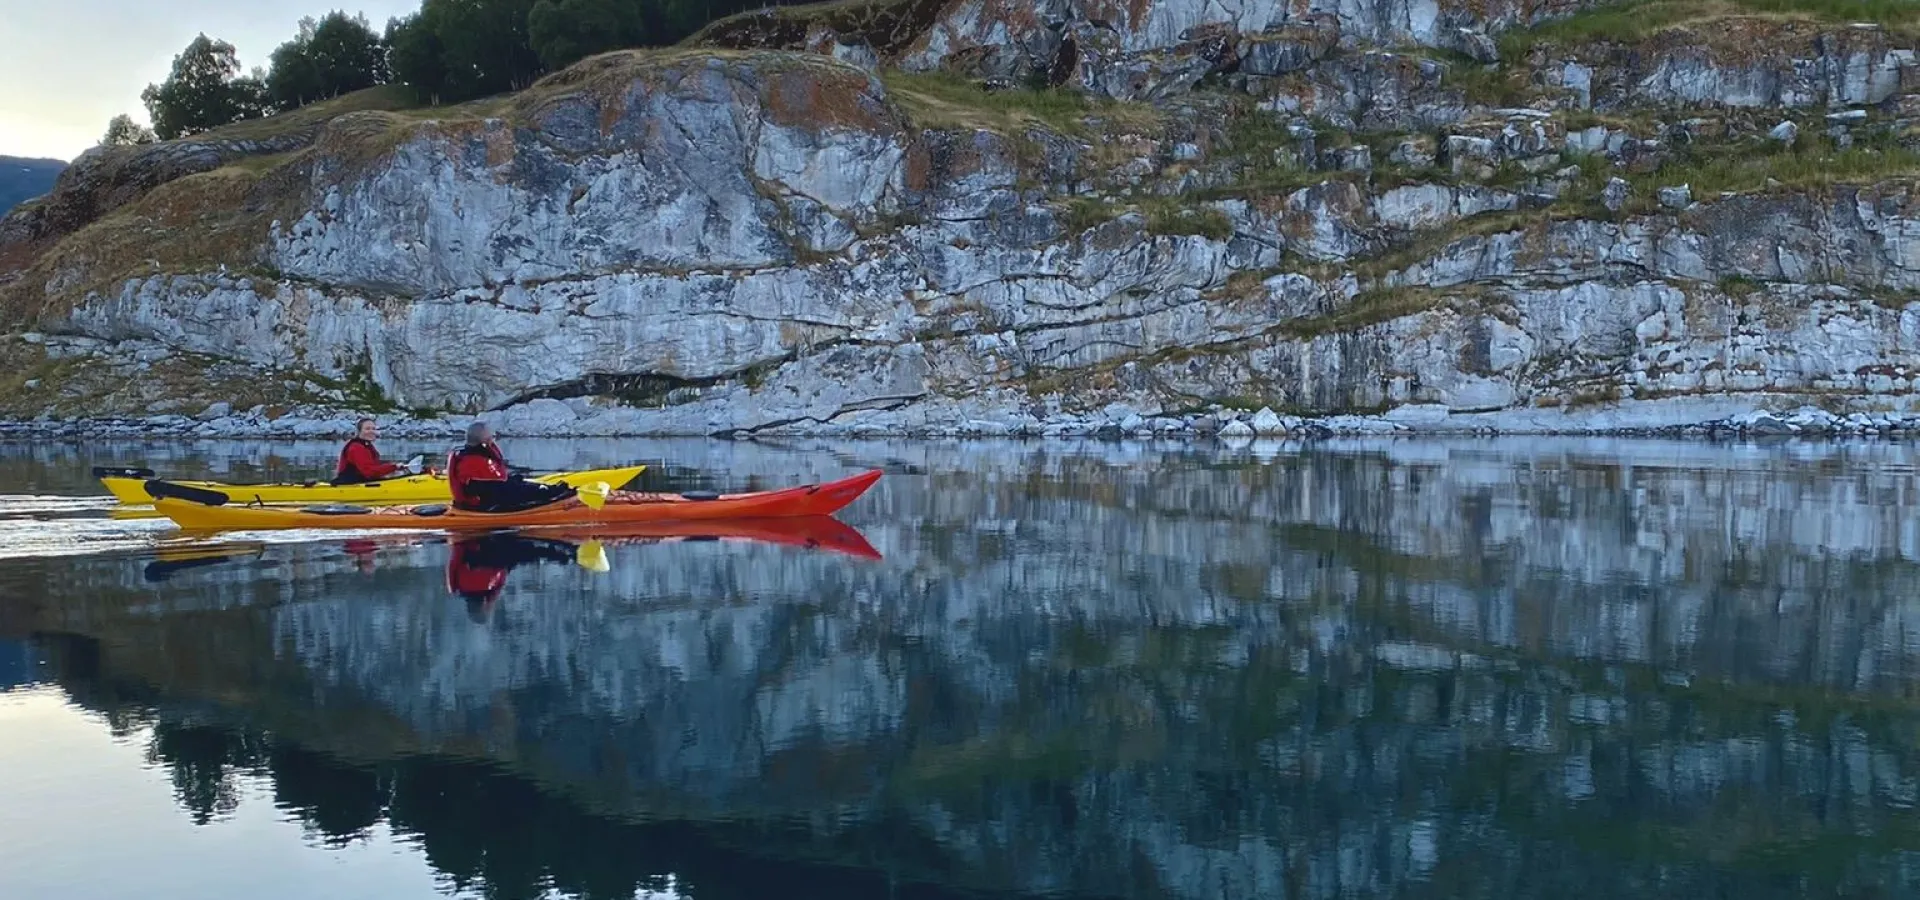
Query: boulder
x=1267, y=422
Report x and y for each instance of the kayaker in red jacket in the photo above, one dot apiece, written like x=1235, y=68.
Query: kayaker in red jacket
x=360, y=461
x=477, y=567
x=481, y=481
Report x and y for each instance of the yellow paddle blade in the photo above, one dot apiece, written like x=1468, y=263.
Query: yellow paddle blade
x=592, y=557
x=594, y=495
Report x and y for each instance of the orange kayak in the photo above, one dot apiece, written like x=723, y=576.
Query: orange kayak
x=621, y=507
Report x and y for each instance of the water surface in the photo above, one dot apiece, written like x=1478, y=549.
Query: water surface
x=1516, y=668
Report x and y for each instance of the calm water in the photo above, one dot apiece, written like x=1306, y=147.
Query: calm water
x=1530, y=668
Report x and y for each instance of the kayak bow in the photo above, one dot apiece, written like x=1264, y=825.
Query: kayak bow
x=620, y=508
x=129, y=487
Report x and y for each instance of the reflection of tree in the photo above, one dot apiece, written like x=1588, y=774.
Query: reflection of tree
x=500, y=834
x=339, y=801
x=204, y=761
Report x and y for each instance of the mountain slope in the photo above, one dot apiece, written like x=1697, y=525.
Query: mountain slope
x=24, y=179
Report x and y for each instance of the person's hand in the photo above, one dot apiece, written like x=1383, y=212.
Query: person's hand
x=434, y=471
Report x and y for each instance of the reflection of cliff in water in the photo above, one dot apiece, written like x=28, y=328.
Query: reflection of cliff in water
x=1372, y=673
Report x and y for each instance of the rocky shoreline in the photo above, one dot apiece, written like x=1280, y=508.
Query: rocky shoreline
x=1702, y=417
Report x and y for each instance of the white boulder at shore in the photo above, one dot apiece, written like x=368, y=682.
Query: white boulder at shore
x=553, y=418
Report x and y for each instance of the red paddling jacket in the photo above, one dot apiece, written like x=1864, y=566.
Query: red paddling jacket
x=471, y=574
x=359, y=462
x=474, y=462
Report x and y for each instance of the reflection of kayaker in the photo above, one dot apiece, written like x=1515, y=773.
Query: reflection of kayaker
x=477, y=567
x=364, y=553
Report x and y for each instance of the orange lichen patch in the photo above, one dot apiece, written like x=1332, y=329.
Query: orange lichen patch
x=919, y=167
x=959, y=154
x=820, y=99
x=501, y=147
x=1132, y=12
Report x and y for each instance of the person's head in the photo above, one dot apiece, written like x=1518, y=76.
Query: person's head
x=480, y=606
x=479, y=433
x=366, y=430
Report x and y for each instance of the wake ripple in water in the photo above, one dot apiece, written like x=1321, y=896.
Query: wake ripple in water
x=39, y=526
x=53, y=526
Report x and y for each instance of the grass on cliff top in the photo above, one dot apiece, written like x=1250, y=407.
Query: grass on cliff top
x=941, y=100
x=1639, y=19
x=386, y=98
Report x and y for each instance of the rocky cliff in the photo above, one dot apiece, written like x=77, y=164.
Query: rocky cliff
x=1041, y=216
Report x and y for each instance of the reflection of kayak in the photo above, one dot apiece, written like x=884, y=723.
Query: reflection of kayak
x=620, y=508
x=169, y=561
x=129, y=486
x=811, y=532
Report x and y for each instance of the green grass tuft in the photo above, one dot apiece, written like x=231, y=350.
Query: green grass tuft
x=1086, y=213
x=1172, y=216
x=943, y=100
x=1749, y=166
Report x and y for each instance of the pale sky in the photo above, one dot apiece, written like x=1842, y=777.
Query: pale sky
x=67, y=66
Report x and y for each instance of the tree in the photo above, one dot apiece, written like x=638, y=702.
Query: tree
x=203, y=91
x=563, y=32
x=462, y=49
x=413, y=49
x=484, y=46
x=123, y=131
x=293, y=78
x=684, y=17
x=336, y=55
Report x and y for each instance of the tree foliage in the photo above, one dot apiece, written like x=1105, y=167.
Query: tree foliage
x=564, y=32
x=205, y=90
x=123, y=131
x=447, y=51
x=455, y=50
x=336, y=55
x=460, y=49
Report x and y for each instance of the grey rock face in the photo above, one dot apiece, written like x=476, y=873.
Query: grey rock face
x=1614, y=197
x=1804, y=66
x=1129, y=52
x=776, y=243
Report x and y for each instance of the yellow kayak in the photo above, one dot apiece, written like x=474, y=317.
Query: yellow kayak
x=129, y=486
